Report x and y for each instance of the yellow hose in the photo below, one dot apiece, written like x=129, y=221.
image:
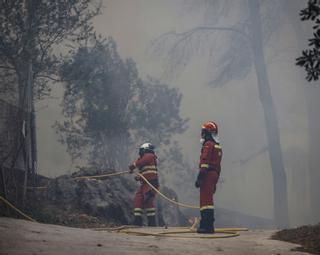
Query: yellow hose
x=125, y=172
x=100, y=176
x=84, y=177
x=228, y=232
x=46, y=186
x=124, y=229
x=39, y=187
x=222, y=233
x=16, y=209
x=166, y=198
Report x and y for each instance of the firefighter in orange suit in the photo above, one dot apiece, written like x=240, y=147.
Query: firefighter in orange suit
x=144, y=197
x=209, y=172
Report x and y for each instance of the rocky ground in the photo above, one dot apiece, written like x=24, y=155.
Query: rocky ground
x=20, y=237
x=307, y=236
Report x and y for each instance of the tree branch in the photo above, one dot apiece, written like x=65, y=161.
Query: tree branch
x=196, y=29
x=189, y=33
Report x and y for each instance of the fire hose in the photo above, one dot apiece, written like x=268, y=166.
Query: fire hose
x=222, y=232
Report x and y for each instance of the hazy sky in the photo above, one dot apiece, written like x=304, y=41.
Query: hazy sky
x=236, y=107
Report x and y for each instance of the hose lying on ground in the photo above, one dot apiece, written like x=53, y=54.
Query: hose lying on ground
x=227, y=232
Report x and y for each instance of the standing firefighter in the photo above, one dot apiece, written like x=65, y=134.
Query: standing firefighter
x=144, y=197
x=209, y=172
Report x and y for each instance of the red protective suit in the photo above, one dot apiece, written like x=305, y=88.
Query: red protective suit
x=208, y=176
x=144, y=197
x=210, y=159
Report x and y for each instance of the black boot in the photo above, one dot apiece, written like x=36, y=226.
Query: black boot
x=137, y=221
x=211, y=220
x=206, y=222
x=202, y=221
x=151, y=221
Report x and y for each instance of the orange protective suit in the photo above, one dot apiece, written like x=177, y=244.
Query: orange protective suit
x=145, y=195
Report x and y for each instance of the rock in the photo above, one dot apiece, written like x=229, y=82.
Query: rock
x=168, y=213
x=75, y=202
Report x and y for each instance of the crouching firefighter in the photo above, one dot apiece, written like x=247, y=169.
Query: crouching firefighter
x=144, y=197
x=209, y=172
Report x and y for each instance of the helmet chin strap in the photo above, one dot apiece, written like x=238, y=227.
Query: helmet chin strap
x=215, y=137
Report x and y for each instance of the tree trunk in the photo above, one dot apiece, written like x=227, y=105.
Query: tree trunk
x=30, y=138
x=34, y=152
x=28, y=133
x=280, y=199
x=3, y=182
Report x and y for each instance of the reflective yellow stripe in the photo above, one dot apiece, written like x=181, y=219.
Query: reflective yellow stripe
x=151, y=209
x=151, y=214
x=151, y=167
x=149, y=172
x=217, y=146
x=206, y=207
x=137, y=211
x=204, y=165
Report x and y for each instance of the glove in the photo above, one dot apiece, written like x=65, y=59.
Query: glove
x=200, y=178
x=131, y=168
x=137, y=178
x=197, y=184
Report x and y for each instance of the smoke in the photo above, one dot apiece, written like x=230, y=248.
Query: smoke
x=246, y=172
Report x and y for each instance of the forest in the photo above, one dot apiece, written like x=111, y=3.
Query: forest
x=84, y=83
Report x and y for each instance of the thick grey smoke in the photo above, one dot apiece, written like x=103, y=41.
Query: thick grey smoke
x=247, y=181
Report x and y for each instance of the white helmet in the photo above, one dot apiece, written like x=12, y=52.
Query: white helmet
x=146, y=147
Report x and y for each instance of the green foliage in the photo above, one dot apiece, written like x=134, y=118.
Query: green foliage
x=157, y=113
x=310, y=59
x=109, y=109
x=29, y=29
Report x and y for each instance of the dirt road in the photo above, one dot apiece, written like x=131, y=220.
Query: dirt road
x=20, y=237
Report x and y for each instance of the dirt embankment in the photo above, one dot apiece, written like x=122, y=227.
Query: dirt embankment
x=307, y=236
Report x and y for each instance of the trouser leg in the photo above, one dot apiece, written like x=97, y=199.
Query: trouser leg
x=149, y=197
x=138, y=208
x=207, y=190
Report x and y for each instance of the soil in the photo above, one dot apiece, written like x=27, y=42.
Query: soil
x=307, y=236
x=20, y=237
